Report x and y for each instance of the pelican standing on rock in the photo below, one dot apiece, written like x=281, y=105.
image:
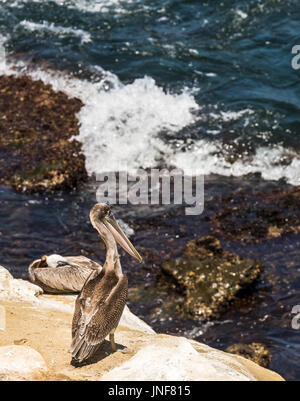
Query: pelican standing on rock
x=56, y=274
x=101, y=302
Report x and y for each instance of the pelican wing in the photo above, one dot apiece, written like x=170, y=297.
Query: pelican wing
x=93, y=321
x=66, y=278
x=83, y=262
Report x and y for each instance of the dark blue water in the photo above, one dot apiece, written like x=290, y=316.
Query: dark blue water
x=238, y=114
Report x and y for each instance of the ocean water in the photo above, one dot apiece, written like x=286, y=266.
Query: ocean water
x=191, y=84
x=206, y=85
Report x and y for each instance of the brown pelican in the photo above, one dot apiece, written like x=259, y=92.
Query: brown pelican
x=61, y=275
x=100, y=304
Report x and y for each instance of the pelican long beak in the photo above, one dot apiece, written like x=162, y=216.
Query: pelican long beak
x=121, y=238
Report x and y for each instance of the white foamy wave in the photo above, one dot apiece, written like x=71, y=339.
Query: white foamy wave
x=103, y=6
x=120, y=125
x=84, y=36
x=3, y=39
x=231, y=115
x=267, y=161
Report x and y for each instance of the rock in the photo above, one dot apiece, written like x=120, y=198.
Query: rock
x=256, y=352
x=131, y=321
x=48, y=331
x=17, y=290
x=36, y=127
x=176, y=359
x=254, y=216
x=5, y=278
x=24, y=290
x=210, y=277
x=21, y=363
x=2, y=318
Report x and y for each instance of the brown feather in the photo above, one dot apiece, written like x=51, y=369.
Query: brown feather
x=98, y=310
x=63, y=279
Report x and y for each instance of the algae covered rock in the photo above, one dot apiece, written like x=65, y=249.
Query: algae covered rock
x=256, y=352
x=36, y=127
x=210, y=277
x=255, y=216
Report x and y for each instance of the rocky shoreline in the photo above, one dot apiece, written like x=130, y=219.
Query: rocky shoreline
x=197, y=280
x=35, y=336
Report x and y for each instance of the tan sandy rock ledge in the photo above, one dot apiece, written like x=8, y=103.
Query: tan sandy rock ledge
x=35, y=336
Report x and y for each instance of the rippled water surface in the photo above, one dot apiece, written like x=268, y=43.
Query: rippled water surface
x=174, y=83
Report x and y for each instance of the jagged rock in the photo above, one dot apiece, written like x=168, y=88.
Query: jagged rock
x=210, y=277
x=175, y=358
x=21, y=363
x=36, y=127
x=256, y=352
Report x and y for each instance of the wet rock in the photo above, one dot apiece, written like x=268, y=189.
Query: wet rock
x=210, y=277
x=21, y=363
x=175, y=358
x=36, y=125
x=256, y=352
x=255, y=216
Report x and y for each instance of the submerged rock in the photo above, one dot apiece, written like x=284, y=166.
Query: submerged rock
x=210, y=277
x=254, y=216
x=36, y=127
x=21, y=363
x=256, y=352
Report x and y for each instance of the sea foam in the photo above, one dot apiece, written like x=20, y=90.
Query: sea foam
x=84, y=36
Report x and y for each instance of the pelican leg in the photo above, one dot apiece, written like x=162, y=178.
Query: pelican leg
x=112, y=342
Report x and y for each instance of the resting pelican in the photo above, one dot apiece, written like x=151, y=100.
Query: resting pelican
x=100, y=304
x=61, y=275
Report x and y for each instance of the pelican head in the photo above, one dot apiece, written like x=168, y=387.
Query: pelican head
x=54, y=261
x=104, y=222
